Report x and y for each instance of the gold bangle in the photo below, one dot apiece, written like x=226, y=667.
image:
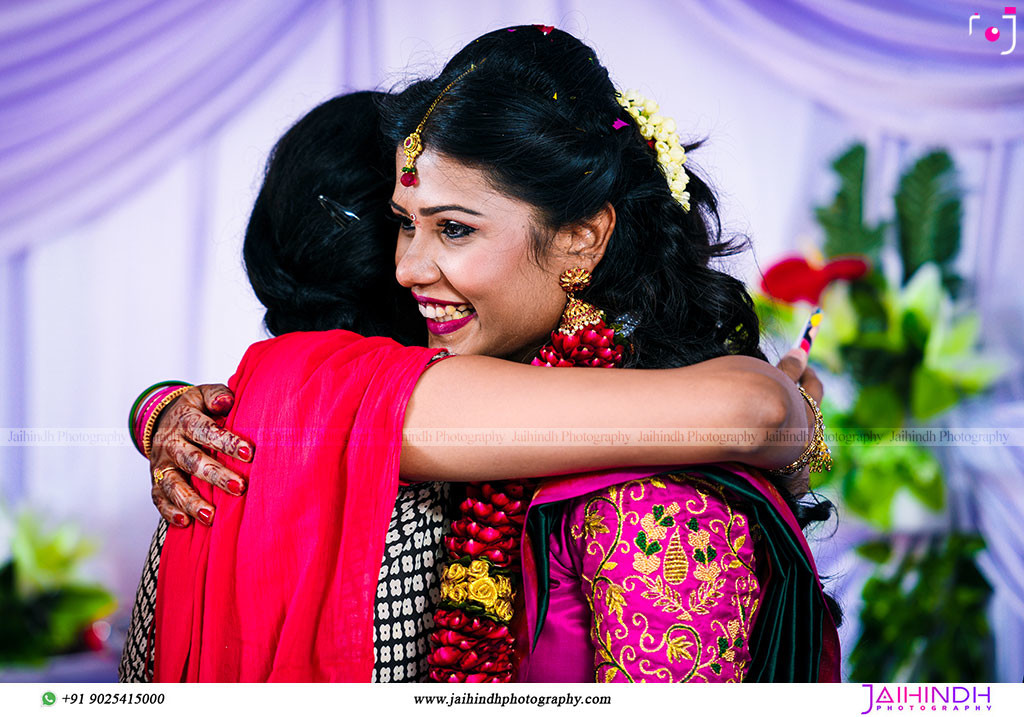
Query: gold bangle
x=147, y=434
x=816, y=453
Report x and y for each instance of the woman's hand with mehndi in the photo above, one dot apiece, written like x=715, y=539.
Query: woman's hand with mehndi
x=185, y=435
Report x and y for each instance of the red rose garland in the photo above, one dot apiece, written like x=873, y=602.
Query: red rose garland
x=472, y=640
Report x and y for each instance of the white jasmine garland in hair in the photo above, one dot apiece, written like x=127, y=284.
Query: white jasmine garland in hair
x=662, y=131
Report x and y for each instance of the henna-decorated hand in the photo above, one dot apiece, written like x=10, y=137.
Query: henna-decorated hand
x=183, y=437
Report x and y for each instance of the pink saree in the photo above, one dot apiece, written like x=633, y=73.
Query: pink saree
x=281, y=587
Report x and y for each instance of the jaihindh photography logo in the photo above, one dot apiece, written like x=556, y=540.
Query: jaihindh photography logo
x=930, y=698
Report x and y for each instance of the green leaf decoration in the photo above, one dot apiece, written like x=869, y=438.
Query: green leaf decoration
x=970, y=375
x=76, y=607
x=902, y=351
x=877, y=551
x=46, y=561
x=954, y=338
x=716, y=668
x=667, y=522
x=723, y=645
x=879, y=472
x=923, y=297
x=924, y=617
x=878, y=407
x=658, y=511
x=843, y=220
x=652, y=548
x=699, y=556
x=692, y=524
x=950, y=353
x=931, y=393
x=641, y=541
x=928, y=215
x=870, y=493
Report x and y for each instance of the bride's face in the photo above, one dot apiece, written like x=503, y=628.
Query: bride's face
x=464, y=252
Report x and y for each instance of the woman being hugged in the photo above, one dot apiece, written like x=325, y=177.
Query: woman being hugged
x=525, y=174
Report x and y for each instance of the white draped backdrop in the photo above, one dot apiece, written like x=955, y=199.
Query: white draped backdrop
x=133, y=133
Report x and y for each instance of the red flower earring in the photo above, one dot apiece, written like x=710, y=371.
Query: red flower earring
x=582, y=337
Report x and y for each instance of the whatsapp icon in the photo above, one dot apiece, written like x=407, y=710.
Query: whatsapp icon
x=49, y=698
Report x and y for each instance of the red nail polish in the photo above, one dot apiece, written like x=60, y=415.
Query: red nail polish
x=206, y=516
x=222, y=402
x=179, y=520
x=236, y=487
x=244, y=453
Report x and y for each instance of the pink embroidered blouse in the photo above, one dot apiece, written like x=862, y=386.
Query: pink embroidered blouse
x=652, y=580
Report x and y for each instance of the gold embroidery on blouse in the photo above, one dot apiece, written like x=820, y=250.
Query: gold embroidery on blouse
x=672, y=542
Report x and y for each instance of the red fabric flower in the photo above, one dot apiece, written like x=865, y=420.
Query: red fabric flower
x=793, y=279
x=594, y=346
x=469, y=649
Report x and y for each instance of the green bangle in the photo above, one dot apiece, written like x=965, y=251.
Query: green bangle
x=138, y=402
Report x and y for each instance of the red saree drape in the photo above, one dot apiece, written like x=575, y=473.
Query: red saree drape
x=282, y=587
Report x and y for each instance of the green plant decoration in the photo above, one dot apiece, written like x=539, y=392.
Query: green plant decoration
x=843, y=220
x=46, y=608
x=923, y=618
x=907, y=352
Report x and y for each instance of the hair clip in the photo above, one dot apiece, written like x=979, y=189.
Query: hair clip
x=341, y=216
x=619, y=124
x=628, y=322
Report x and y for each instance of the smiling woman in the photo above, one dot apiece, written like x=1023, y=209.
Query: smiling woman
x=531, y=176
x=472, y=249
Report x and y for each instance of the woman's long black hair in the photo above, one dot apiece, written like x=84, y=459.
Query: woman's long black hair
x=537, y=113
x=309, y=272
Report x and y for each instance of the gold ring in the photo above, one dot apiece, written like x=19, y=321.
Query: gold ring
x=158, y=475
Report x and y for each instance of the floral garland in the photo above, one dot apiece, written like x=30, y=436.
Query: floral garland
x=660, y=133
x=473, y=639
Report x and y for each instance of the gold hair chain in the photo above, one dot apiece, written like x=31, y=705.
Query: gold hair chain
x=413, y=144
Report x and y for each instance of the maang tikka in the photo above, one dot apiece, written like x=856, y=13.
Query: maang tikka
x=413, y=144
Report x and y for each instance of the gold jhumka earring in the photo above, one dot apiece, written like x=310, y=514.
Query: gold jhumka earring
x=577, y=314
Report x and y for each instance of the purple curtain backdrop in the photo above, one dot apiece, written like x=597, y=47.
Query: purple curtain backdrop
x=908, y=65
x=97, y=95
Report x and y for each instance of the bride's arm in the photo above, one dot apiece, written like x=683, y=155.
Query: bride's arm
x=469, y=416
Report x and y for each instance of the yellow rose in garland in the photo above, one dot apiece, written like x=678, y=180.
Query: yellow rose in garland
x=458, y=593
x=504, y=586
x=503, y=609
x=477, y=569
x=483, y=591
x=454, y=573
